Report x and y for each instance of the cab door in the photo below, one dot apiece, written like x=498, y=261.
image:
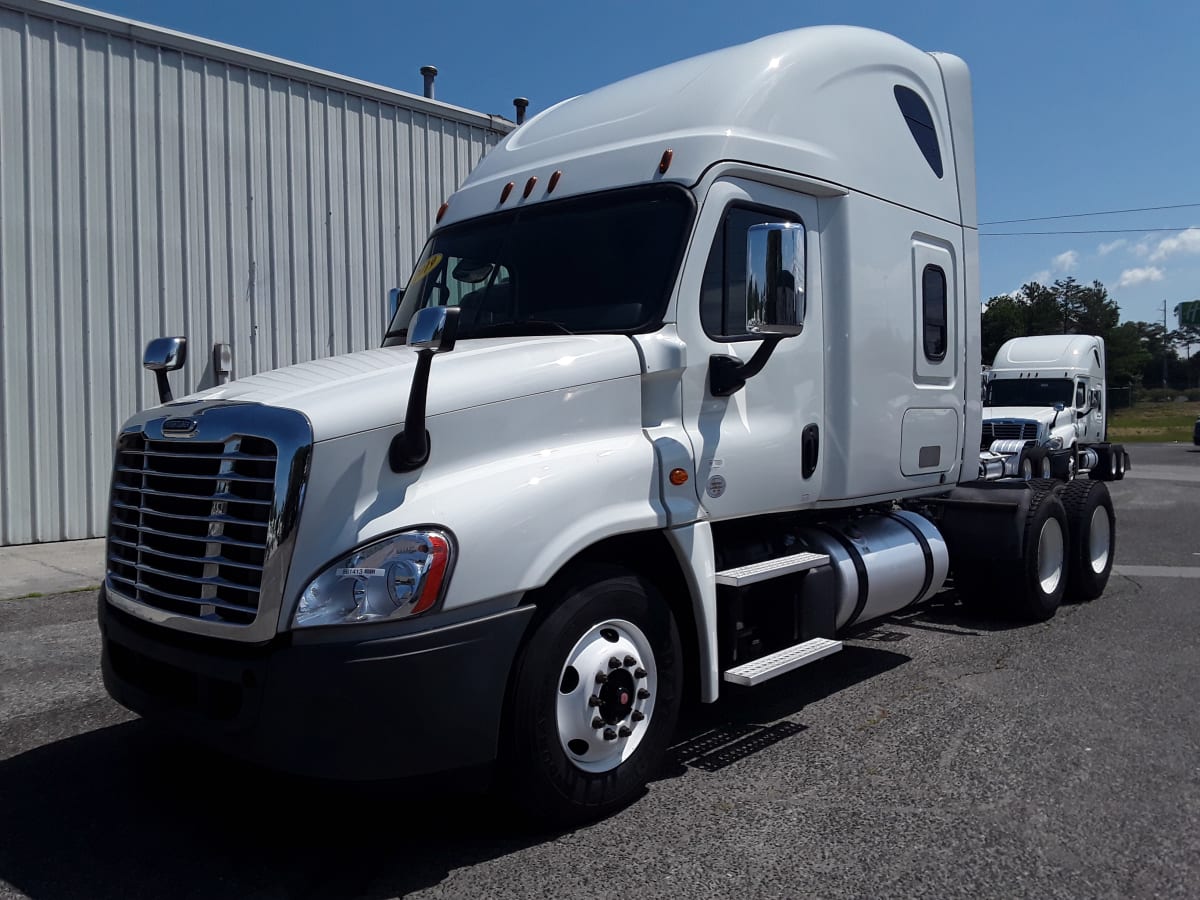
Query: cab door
x=759, y=449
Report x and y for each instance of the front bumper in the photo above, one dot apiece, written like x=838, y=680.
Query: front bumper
x=356, y=707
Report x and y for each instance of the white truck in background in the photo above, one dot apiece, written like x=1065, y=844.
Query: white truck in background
x=681, y=391
x=1045, y=411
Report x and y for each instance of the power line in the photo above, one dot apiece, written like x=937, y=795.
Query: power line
x=1085, y=231
x=1104, y=212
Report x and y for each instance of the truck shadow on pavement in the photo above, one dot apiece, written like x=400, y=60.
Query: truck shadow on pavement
x=127, y=811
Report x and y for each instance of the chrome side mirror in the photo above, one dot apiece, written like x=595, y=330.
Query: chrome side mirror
x=775, y=298
x=434, y=328
x=163, y=355
x=775, y=301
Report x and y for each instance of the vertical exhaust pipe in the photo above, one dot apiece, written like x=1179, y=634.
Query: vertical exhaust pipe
x=521, y=104
x=430, y=73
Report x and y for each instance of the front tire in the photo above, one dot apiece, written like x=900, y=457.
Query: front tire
x=595, y=698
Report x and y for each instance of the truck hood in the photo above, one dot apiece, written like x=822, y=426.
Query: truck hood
x=361, y=391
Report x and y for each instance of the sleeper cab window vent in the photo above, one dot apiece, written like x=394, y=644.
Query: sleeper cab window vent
x=920, y=123
x=933, y=310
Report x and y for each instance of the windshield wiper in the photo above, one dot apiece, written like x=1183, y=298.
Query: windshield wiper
x=524, y=327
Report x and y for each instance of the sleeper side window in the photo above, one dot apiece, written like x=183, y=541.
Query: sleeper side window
x=933, y=312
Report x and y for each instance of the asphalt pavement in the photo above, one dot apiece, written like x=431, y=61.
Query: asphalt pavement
x=937, y=755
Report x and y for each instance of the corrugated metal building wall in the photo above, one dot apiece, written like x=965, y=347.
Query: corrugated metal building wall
x=156, y=184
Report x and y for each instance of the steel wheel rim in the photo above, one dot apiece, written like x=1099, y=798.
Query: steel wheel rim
x=1099, y=539
x=1027, y=469
x=583, y=699
x=1112, y=462
x=1050, y=556
x=1045, y=464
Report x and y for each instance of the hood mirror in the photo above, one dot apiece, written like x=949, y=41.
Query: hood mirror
x=432, y=330
x=163, y=355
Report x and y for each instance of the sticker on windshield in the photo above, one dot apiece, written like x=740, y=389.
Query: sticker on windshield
x=426, y=267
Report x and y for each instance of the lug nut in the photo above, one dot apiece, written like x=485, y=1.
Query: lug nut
x=637, y=715
x=625, y=731
x=601, y=678
x=643, y=694
x=614, y=663
x=609, y=734
x=597, y=722
x=630, y=661
x=594, y=701
x=639, y=672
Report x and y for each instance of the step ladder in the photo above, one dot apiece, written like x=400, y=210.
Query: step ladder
x=789, y=658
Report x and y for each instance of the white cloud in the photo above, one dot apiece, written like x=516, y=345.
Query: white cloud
x=1131, y=277
x=1065, y=262
x=1142, y=247
x=1105, y=249
x=1042, y=277
x=1187, y=241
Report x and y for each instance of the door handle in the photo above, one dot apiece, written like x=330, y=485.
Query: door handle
x=810, y=445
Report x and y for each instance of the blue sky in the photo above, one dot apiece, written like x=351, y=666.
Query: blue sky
x=1079, y=106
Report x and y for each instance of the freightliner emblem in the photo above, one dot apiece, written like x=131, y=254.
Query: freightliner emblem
x=180, y=427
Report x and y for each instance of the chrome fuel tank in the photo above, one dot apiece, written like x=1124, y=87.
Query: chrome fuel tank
x=883, y=562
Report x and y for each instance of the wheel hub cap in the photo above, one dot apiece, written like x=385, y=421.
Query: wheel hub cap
x=1099, y=539
x=1050, y=555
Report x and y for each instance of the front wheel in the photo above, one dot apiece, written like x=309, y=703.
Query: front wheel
x=595, y=698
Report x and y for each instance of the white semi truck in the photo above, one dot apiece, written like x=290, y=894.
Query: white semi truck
x=682, y=390
x=1044, y=409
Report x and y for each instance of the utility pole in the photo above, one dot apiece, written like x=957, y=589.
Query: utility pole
x=1166, y=343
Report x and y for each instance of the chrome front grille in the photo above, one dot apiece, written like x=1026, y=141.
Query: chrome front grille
x=203, y=515
x=189, y=526
x=1007, y=431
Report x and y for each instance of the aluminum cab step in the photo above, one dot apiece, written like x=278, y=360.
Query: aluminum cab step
x=771, y=568
x=765, y=668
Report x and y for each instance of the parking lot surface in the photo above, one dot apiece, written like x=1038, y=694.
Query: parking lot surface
x=937, y=755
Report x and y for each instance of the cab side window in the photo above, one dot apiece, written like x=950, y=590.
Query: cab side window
x=723, y=299
x=1080, y=395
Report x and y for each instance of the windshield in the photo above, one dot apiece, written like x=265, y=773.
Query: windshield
x=604, y=263
x=1030, y=392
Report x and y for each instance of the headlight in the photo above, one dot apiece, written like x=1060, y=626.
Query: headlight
x=1055, y=443
x=395, y=578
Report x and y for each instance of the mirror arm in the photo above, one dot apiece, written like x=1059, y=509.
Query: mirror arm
x=410, y=448
x=727, y=374
x=164, y=387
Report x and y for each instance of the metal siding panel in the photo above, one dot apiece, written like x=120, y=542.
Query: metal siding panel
x=237, y=219
x=151, y=190
x=368, y=257
x=96, y=264
x=15, y=514
x=353, y=337
x=66, y=469
x=43, y=443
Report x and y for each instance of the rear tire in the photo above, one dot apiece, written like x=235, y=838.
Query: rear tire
x=1107, y=464
x=1037, y=586
x=563, y=765
x=1093, y=538
x=1118, y=451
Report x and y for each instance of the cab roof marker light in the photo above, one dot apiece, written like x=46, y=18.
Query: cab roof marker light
x=665, y=162
x=506, y=190
x=553, y=181
x=529, y=185
x=442, y=212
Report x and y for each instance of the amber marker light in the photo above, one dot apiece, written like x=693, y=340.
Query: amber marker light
x=442, y=211
x=678, y=477
x=554, y=181
x=507, y=190
x=529, y=186
x=665, y=162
